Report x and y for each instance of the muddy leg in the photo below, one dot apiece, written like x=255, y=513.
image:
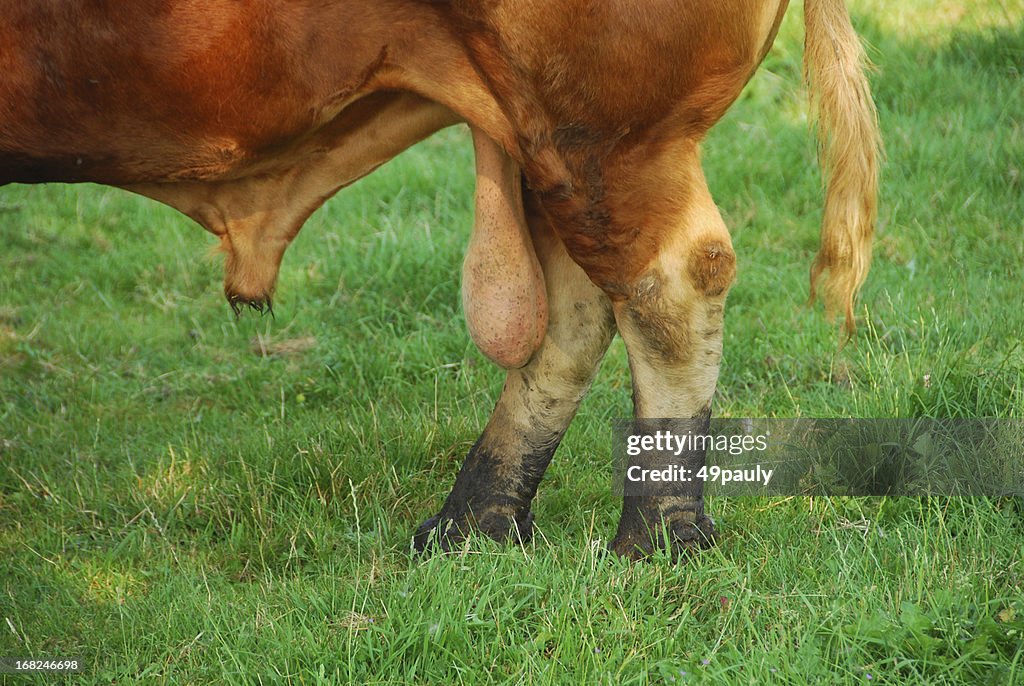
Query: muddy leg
x=670, y=318
x=499, y=478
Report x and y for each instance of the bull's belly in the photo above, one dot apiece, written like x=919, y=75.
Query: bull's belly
x=175, y=141
x=123, y=93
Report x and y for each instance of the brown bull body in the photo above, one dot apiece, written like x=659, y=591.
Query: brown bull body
x=592, y=212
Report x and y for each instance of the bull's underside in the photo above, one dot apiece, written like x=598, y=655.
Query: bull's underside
x=592, y=213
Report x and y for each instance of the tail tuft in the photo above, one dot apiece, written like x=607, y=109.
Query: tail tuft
x=850, y=148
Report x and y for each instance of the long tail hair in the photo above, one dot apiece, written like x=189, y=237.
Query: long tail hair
x=850, y=148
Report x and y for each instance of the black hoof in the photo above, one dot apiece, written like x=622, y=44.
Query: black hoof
x=685, y=537
x=263, y=304
x=431, y=537
x=444, y=534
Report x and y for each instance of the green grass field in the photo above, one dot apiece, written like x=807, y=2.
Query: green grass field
x=190, y=499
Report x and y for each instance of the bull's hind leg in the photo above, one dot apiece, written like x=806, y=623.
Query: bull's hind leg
x=499, y=478
x=670, y=316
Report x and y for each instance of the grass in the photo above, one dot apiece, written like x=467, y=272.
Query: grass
x=190, y=499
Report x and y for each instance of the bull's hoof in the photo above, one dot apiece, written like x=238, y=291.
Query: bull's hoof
x=685, y=537
x=443, y=534
x=262, y=304
x=434, y=535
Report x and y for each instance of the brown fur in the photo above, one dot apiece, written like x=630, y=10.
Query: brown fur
x=712, y=267
x=581, y=95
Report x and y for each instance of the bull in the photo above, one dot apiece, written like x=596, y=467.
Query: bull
x=592, y=212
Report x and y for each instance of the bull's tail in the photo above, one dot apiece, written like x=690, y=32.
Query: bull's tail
x=834, y=66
